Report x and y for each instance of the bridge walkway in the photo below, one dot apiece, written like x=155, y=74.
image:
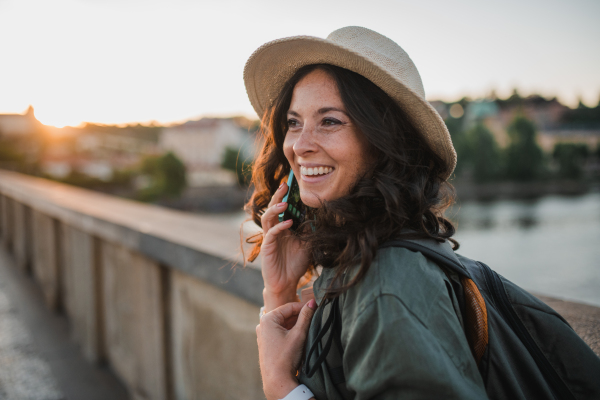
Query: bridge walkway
x=38, y=360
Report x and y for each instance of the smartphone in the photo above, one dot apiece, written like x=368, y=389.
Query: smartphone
x=296, y=210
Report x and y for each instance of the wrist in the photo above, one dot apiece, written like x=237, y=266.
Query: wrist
x=273, y=300
x=280, y=388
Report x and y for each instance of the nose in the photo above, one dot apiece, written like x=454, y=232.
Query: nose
x=305, y=143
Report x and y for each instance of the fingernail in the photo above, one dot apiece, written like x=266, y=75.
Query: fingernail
x=281, y=205
x=312, y=304
x=280, y=186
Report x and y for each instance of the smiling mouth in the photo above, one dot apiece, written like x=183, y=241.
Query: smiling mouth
x=315, y=171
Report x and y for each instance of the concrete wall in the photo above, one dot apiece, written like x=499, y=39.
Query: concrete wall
x=81, y=289
x=45, y=256
x=22, y=234
x=214, y=332
x=134, y=298
x=150, y=291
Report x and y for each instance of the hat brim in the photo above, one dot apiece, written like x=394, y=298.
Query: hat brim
x=274, y=63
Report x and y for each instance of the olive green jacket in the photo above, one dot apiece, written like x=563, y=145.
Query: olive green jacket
x=402, y=335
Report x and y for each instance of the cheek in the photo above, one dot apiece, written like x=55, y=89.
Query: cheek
x=288, y=149
x=358, y=161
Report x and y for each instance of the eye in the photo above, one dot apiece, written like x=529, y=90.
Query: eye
x=331, y=121
x=292, y=123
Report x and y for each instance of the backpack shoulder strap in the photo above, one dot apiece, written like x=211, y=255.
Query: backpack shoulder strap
x=439, y=252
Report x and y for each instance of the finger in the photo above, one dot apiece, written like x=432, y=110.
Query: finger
x=304, y=318
x=283, y=313
x=278, y=195
x=275, y=231
x=271, y=216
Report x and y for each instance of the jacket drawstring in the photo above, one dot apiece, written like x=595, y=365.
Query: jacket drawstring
x=333, y=320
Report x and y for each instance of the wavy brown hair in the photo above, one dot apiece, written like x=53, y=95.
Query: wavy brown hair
x=402, y=196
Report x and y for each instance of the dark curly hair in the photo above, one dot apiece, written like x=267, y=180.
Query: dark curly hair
x=403, y=196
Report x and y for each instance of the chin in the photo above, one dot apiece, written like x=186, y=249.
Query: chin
x=310, y=200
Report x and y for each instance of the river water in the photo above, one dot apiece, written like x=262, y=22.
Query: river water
x=549, y=246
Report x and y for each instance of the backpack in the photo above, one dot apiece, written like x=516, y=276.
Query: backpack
x=523, y=348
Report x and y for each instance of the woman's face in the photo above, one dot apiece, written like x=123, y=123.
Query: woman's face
x=325, y=150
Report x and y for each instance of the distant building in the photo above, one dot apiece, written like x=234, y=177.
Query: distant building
x=101, y=142
x=547, y=139
x=487, y=112
x=201, y=145
x=548, y=115
x=94, y=153
x=14, y=125
x=61, y=167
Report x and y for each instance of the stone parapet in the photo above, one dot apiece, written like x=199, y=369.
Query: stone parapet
x=150, y=291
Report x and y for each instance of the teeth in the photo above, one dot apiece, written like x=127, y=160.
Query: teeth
x=315, y=171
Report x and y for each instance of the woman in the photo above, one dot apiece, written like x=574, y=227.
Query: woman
x=348, y=116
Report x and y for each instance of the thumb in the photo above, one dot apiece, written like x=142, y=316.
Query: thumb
x=305, y=317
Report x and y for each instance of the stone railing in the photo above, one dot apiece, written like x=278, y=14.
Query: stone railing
x=148, y=290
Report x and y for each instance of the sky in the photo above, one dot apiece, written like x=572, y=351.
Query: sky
x=125, y=61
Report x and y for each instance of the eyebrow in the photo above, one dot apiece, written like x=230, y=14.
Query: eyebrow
x=327, y=109
x=320, y=111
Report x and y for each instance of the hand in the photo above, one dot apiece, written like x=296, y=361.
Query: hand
x=284, y=259
x=281, y=335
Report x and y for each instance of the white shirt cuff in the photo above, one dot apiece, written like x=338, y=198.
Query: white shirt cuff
x=300, y=393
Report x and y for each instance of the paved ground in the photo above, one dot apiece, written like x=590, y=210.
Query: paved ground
x=24, y=373
x=38, y=361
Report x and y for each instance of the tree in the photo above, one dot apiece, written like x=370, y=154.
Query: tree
x=524, y=158
x=570, y=157
x=10, y=152
x=167, y=177
x=233, y=160
x=484, y=154
x=174, y=173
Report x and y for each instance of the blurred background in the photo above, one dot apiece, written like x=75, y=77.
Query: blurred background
x=145, y=101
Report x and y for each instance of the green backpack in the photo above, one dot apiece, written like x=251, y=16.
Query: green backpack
x=523, y=348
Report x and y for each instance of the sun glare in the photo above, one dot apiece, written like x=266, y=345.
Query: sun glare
x=58, y=121
x=57, y=114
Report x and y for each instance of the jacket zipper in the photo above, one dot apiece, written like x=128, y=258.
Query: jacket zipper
x=509, y=314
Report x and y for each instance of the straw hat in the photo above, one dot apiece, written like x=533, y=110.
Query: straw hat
x=357, y=49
